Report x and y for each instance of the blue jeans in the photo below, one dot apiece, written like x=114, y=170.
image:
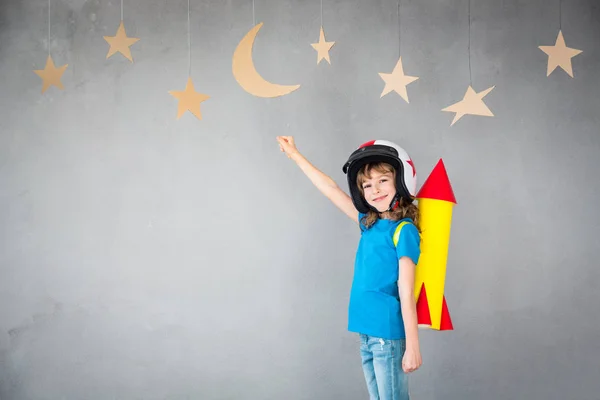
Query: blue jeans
x=382, y=366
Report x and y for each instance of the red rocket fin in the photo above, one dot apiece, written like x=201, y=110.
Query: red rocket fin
x=446, y=322
x=437, y=185
x=423, y=316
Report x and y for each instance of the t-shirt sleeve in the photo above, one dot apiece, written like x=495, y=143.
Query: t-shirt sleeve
x=409, y=243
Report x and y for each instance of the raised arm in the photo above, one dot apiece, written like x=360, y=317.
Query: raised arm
x=323, y=182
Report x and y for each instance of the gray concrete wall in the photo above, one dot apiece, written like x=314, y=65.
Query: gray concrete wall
x=144, y=257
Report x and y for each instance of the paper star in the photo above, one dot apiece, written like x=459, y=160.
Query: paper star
x=51, y=75
x=471, y=104
x=189, y=100
x=120, y=42
x=397, y=81
x=322, y=48
x=560, y=55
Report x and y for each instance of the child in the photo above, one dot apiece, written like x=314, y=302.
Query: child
x=382, y=310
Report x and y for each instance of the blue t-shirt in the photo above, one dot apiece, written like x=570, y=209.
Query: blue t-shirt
x=374, y=307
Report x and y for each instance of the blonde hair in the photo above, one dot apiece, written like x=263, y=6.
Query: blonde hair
x=405, y=209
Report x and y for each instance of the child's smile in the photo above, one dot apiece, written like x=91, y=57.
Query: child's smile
x=380, y=198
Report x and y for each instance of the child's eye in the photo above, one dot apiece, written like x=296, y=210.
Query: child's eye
x=366, y=186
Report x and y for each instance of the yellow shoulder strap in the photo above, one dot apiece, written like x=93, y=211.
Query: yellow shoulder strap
x=397, y=232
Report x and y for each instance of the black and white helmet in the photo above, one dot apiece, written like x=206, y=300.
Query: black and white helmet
x=381, y=151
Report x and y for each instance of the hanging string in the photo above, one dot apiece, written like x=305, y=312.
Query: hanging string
x=559, y=14
x=48, y=27
x=189, y=43
x=321, y=13
x=399, y=47
x=121, y=10
x=469, y=46
x=253, y=17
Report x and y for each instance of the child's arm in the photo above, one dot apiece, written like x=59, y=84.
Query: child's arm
x=324, y=183
x=406, y=287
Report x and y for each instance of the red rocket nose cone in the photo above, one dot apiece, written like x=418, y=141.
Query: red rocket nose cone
x=437, y=185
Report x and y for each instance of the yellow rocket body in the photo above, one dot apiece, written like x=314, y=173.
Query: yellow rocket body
x=435, y=222
x=436, y=202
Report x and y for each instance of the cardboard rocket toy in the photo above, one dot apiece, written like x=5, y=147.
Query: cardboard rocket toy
x=436, y=202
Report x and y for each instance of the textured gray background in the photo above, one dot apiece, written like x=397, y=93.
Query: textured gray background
x=144, y=257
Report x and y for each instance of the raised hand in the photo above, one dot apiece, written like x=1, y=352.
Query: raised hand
x=287, y=145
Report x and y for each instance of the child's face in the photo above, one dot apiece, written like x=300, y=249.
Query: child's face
x=379, y=190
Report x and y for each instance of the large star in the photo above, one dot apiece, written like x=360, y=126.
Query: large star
x=560, y=55
x=51, y=75
x=472, y=104
x=322, y=48
x=397, y=81
x=120, y=42
x=189, y=100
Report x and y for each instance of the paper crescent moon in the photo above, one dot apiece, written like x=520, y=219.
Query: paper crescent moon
x=246, y=75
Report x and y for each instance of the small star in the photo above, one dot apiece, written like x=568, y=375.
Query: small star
x=120, y=42
x=51, y=75
x=322, y=48
x=560, y=55
x=397, y=81
x=189, y=100
x=472, y=104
